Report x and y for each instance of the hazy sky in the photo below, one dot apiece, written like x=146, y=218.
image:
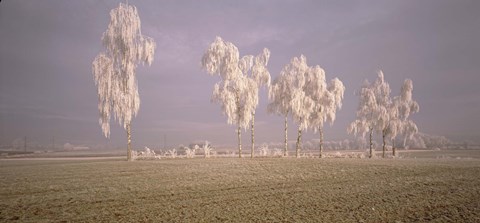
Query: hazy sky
x=47, y=49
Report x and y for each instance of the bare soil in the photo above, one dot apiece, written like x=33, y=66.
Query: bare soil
x=241, y=190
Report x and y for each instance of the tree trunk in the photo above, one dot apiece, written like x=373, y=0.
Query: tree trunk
x=129, y=143
x=321, y=142
x=371, y=152
x=286, y=139
x=393, y=147
x=237, y=101
x=253, y=135
x=383, y=147
x=239, y=141
x=299, y=142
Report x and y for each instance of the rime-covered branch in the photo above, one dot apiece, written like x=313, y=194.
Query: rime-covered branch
x=114, y=69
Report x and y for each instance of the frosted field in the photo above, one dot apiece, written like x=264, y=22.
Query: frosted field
x=244, y=190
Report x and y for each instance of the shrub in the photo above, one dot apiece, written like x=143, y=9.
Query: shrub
x=145, y=155
x=190, y=153
x=264, y=151
x=208, y=151
x=171, y=153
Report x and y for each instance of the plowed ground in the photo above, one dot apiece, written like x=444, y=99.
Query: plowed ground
x=241, y=190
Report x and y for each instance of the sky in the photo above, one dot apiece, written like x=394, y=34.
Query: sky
x=47, y=48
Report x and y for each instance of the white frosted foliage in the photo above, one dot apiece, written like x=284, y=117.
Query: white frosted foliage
x=406, y=106
x=336, y=90
x=378, y=112
x=300, y=105
x=399, y=110
x=303, y=92
x=280, y=94
x=327, y=98
x=372, y=113
x=237, y=91
x=114, y=69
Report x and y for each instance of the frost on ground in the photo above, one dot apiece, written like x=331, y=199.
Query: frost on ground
x=241, y=190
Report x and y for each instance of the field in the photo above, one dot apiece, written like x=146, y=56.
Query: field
x=242, y=190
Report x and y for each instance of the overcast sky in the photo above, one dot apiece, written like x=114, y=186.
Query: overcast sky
x=47, y=49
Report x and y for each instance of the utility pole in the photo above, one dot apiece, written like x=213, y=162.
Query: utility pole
x=53, y=142
x=25, y=144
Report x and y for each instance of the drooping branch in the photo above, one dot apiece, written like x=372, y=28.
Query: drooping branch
x=114, y=69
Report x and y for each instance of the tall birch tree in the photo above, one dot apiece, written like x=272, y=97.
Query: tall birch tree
x=261, y=76
x=280, y=94
x=394, y=126
x=236, y=91
x=382, y=94
x=301, y=104
x=401, y=108
x=366, y=114
x=114, y=69
x=374, y=111
x=406, y=107
x=326, y=97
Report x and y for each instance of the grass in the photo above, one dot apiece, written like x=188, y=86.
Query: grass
x=241, y=190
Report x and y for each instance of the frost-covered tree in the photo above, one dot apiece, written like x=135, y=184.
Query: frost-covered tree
x=207, y=149
x=264, y=150
x=399, y=110
x=303, y=91
x=280, y=94
x=378, y=112
x=190, y=152
x=145, y=155
x=384, y=103
x=422, y=140
x=236, y=92
x=406, y=107
x=326, y=97
x=370, y=113
x=172, y=153
x=394, y=125
x=261, y=76
x=114, y=69
x=301, y=105
x=366, y=110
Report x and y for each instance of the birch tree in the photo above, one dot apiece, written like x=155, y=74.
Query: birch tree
x=382, y=94
x=401, y=108
x=261, y=77
x=326, y=98
x=114, y=69
x=406, y=107
x=366, y=114
x=280, y=94
x=394, y=126
x=236, y=92
x=375, y=111
x=301, y=104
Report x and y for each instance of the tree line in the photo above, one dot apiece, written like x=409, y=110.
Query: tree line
x=300, y=92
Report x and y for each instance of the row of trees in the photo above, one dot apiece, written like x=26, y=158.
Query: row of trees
x=378, y=112
x=300, y=91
